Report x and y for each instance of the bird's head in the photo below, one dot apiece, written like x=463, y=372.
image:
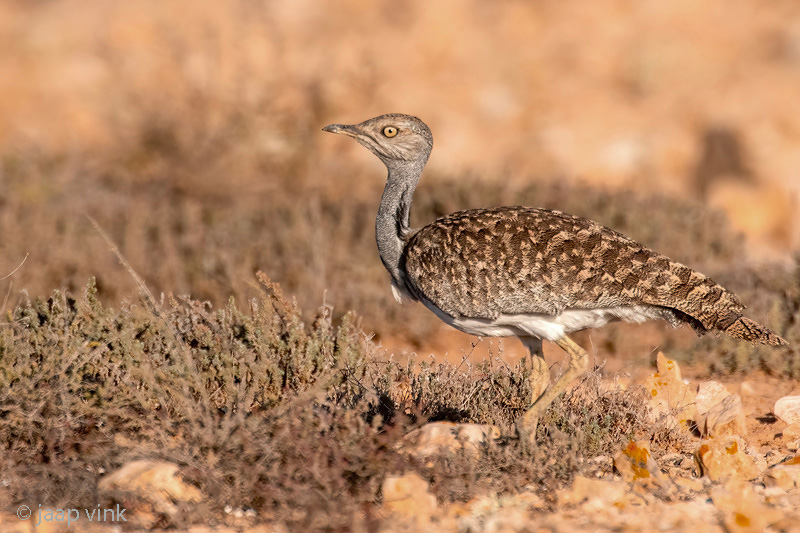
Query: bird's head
x=394, y=138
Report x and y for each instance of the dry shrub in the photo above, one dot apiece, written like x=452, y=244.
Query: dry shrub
x=604, y=417
x=261, y=409
x=587, y=421
x=207, y=240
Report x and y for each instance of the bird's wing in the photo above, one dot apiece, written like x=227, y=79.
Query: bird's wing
x=481, y=263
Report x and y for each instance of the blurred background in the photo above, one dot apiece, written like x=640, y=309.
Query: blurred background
x=191, y=132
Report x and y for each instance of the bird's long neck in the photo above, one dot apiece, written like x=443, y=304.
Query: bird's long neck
x=392, y=222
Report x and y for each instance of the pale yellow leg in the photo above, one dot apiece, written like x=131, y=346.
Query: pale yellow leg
x=578, y=362
x=539, y=378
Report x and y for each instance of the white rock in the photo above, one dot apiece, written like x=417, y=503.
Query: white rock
x=594, y=493
x=724, y=458
x=725, y=418
x=155, y=485
x=697, y=514
x=437, y=437
x=743, y=510
x=669, y=395
x=11, y=523
x=408, y=495
x=636, y=463
x=788, y=409
x=785, y=475
x=791, y=432
x=144, y=478
x=709, y=394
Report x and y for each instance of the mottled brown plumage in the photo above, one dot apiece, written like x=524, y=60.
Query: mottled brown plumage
x=484, y=262
x=533, y=273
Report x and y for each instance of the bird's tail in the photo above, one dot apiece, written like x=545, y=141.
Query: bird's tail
x=750, y=330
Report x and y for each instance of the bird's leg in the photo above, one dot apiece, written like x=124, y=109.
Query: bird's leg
x=539, y=378
x=578, y=362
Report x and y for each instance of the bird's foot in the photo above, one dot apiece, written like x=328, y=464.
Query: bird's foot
x=526, y=431
x=578, y=361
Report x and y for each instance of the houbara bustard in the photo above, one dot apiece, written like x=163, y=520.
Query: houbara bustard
x=531, y=273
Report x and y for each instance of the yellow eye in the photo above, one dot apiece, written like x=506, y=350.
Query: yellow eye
x=390, y=131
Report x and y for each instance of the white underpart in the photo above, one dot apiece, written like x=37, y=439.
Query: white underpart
x=547, y=327
x=400, y=294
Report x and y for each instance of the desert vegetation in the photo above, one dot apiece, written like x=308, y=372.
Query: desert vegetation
x=297, y=421
x=251, y=337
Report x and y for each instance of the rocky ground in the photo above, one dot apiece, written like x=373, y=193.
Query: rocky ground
x=736, y=469
x=191, y=133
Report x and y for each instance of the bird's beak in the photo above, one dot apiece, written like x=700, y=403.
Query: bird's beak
x=341, y=128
